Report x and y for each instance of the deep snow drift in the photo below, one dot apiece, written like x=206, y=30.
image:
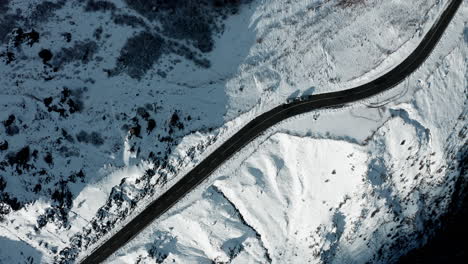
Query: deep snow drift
x=105, y=104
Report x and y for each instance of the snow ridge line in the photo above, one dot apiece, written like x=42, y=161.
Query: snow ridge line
x=242, y=219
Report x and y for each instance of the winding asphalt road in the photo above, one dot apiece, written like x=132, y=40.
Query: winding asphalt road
x=261, y=123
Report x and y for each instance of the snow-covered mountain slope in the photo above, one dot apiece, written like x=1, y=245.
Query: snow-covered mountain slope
x=105, y=104
x=319, y=189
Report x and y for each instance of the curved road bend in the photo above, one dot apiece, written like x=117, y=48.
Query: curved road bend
x=255, y=127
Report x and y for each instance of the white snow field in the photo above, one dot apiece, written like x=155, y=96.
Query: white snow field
x=128, y=103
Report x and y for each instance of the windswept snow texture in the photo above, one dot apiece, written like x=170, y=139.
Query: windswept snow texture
x=104, y=103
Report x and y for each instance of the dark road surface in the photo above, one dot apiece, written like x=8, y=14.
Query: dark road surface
x=261, y=123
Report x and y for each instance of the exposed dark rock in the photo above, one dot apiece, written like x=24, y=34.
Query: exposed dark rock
x=135, y=131
x=45, y=55
x=47, y=101
x=151, y=125
x=37, y=188
x=48, y=158
x=67, y=36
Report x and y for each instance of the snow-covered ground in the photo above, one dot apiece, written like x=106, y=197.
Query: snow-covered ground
x=318, y=188
x=129, y=101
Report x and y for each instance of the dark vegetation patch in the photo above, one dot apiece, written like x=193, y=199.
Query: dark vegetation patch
x=139, y=55
x=142, y=51
x=195, y=22
x=8, y=203
x=189, y=54
x=26, y=165
x=44, y=11
x=31, y=166
x=15, y=38
x=90, y=138
x=4, y=6
x=20, y=36
x=8, y=56
x=141, y=111
x=173, y=127
x=3, y=145
x=11, y=128
x=67, y=136
x=349, y=3
x=2, y=184
x=68, y=102
x=191, y=24
x=98, y=33
x=9, y=121
x=95, y=6
x=128, y=20
x=19, y=160
x=82, y=51
x=175, y=123
x=62, y=202
x=8, y=23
